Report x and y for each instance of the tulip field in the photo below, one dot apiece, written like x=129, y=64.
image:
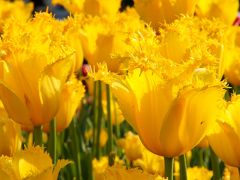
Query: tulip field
x=120, y=90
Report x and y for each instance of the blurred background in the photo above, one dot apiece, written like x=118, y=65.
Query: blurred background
x=60, y=12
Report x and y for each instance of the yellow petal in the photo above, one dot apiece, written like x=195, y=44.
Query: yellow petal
x=50, y=86
x=10, y=133
x=218, y=9
x=14, y=106
x=160, y=11
x=31, y=162
x=60, y=164
x=187, y=122
x=6, y=169
x=70, y=99
x=226, y=144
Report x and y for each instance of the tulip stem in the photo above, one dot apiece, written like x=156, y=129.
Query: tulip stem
x=183, y=167
x=215, y=165
x=76, y=150
x=99, y=119
x=110, y=135
x=53, y=141
x=168, y=167
x=201, y=161
x=37, y=136
x=94, y=117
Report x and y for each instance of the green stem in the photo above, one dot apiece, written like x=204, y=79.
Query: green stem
x=168, y=168
x=37, y=136
x=76, y=150
x=53, y=141
x=215, y=166
x=183, y=167
x=94, y=117
x=110, y=135
x=117, y=128
x=201, y=161
x=99, y=119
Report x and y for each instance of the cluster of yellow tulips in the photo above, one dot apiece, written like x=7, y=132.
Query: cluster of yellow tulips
x=170, y=68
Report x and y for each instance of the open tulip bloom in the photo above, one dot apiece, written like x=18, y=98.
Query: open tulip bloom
x=165, y=73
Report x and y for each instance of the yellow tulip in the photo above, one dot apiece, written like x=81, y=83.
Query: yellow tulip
x=93, y=7
x=132, y=146
x=16, y=9
x=168, y=116
x=10, y=134
x=70, y=100
x=100, y=7
x=163, y=97
x=218, y=9
x=194, y=38
x=188, y=40
x=156, y=12
x=199, y=173
x=231, y=65
x=103, y=36
x=140, y=156
x=31, y=163
x=31, y=95
x=126, y=174
x=225, y=135
x=71, y=33
x=231, y=173
x=99, y=166
x=150, y=162
x=103, y=137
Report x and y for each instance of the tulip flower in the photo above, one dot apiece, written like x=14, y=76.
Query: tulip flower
x=199, y=173
x=194, y=38
x=177, y=126
x=230, y=173
x=99, y=166
x=103, y=137
x=156, y=12
x=16, y=9
x=123, y=173
x=132, y=146
x=158, y=108
x=70, y=100
x=231, y=65
x=31, y=163
x=92, y=7
x=100, y=7
x=71, y=33
x=10, y=134
x=218, y=9
x=225, y=135
x=163, y=98
x=31, y=95
x=102, y=37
